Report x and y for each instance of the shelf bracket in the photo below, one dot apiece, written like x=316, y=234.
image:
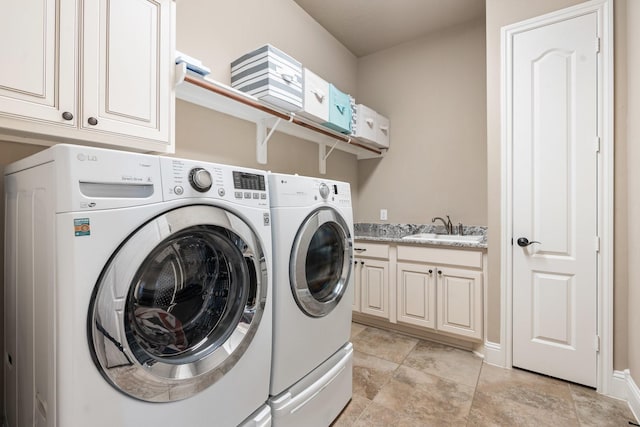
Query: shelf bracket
x=181, y=73
x=323, y=155
x=262, y=138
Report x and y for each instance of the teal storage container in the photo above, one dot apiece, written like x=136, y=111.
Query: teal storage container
x=339, y=111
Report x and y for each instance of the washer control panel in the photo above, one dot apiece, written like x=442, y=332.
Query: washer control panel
x=187, y=178
x=324, y=190
x=200, y=179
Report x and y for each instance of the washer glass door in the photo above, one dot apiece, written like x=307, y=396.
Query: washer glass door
x=320, y=264
x=178, y=303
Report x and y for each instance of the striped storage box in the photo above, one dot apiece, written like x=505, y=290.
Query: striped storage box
x=271, y=76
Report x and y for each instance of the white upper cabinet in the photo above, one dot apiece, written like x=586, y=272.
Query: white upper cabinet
x=37, y=47
x=97, y=71
x=126, y=66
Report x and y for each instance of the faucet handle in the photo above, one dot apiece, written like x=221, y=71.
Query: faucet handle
x=460, y=229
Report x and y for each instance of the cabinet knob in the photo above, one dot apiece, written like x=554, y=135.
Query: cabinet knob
x=430, y=271
x=67, y=115
x=439, y=271
x=362, y=262
x=92, y=121
x=355, y=262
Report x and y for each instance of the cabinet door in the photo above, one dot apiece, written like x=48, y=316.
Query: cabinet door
x=374, y=288
x=126, y=49
x=416, y=294
x=459, y=293
x=356, y=285
x=37, y=77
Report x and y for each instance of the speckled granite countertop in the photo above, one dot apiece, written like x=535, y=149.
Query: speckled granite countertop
x=394, y=233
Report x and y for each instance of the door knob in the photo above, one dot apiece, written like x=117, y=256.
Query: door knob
x=524, y=242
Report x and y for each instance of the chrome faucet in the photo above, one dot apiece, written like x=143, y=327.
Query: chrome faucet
x=447, y=224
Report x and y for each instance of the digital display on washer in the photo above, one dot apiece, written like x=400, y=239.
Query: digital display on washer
x=248, y=181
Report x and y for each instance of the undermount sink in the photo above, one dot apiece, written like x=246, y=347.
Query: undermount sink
x=433, y=237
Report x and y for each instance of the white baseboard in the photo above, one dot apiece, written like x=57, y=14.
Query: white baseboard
x=624, y=387
x=619, y=387
x=494, y=354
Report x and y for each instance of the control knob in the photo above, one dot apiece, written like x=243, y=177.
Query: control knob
x=324, y=190
x=200, y=179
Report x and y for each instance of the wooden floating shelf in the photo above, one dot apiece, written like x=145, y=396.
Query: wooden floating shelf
x=210, y=94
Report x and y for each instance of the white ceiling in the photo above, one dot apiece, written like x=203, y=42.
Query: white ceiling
x=367, y=26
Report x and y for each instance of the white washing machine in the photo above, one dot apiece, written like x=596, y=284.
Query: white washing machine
x=311, y=369
x=137, y=291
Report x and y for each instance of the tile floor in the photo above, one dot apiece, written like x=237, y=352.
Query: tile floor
x=401, y=381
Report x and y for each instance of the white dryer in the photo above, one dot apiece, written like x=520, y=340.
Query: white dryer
x=137, y=291
x=311, y=369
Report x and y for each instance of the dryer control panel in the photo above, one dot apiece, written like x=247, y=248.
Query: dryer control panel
x=294, y=190
x=187, y=178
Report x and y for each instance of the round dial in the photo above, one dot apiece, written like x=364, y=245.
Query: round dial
x=324, y=190
x=200, y=179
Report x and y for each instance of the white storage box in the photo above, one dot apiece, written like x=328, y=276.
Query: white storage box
x=270, y=75
x=366, y=123
x=316, y=97
x=382, y=132
x=371, y=126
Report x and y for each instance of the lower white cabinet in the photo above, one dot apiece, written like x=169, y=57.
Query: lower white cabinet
x=416, y=288
x=459, y=301
x=372, y=281
x=374, y=287
x=438, y=289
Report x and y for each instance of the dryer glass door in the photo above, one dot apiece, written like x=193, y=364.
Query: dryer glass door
x=178, y=304
x=320, y=264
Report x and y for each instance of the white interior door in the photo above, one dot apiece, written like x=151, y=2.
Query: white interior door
x=555, y=178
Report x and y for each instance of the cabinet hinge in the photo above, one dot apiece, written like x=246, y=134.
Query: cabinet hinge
x=596, y=343
x=597, y=144
x=597, y=243
x=598, y=45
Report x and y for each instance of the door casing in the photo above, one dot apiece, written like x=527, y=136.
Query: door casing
x=604, y=12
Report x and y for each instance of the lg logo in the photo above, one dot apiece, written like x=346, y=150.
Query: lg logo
x=87, y=157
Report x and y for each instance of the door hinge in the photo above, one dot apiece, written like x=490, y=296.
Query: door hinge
x=598, y=45
x=597, y=144
x=597, y=243
x=596, y=343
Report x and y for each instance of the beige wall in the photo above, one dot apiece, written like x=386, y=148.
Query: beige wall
x=498, y=14
x=633, y=182
x=433, y=91
x=215, y=33
x=505, y=12
x=219, y=32
x=210, y=136
x=437, y=125
x=621, y=238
